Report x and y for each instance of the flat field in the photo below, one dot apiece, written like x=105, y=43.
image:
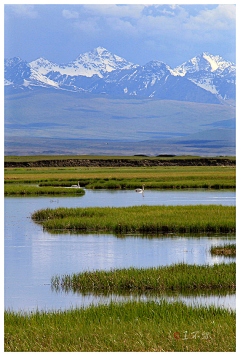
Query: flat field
x=176, y=177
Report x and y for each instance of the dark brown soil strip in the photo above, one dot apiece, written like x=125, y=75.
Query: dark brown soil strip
x=123, y=163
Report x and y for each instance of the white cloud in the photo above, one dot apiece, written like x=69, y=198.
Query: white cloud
x=156, y=25
x=122, y=26
x=111, y=10
x=89, y=26
x=25, y=11
x=162, y=23
x=205, y=23
x=221, y=17
x=173, y=6
x=70, y=14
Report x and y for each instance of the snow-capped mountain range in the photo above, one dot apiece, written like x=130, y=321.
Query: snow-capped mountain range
x=205, y=78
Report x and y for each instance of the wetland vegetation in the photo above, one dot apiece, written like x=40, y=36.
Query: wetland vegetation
x=225, y=250
x=144, y=219
x=164, y=177
x=23, y=190
x=130, y=326
x=180, y=277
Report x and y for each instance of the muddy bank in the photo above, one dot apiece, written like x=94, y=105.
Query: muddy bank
x=124, y=162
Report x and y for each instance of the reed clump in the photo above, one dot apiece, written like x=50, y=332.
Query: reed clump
x=143, y=219
x=225, y=250
x=179, y=277
x=126, y=327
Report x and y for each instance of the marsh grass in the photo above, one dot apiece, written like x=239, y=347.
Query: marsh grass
x=157, y=183
x=22, y=190
x=143, y=219
x=164, y=182
x=130, y=326
x=175, y=277
x=225, y=250
x=127, y=177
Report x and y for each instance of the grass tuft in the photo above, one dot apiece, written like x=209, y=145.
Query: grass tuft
x=225, y=250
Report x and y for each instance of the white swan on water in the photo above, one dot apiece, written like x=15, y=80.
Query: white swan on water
x=76, y=185
x=138, y=190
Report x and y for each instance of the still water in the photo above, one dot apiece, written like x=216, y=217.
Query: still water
x=33, y=256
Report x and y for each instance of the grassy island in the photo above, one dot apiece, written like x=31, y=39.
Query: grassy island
x=23, y=190
x=175, y=277
x=144, y=219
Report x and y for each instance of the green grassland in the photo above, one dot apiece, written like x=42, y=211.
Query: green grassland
x=144, y=219
x=219, y=177
x=131, y=326
x=175, y=277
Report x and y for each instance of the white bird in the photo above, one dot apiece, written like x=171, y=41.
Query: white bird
x=138, y=190
x=76, y=185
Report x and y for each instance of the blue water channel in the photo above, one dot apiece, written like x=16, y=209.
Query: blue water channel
x=33, y=256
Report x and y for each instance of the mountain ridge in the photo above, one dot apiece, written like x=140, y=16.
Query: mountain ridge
x=205, y=78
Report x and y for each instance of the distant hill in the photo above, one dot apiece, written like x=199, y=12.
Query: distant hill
x=60, y=122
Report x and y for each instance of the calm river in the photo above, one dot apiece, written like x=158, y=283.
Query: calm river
x=33, y=256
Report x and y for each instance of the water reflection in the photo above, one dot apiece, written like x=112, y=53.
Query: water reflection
x=119, y=198
x=30, y=263
x=219, y=298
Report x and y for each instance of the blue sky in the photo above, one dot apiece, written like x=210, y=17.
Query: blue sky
x=138, y=33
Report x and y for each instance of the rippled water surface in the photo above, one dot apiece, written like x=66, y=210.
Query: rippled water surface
x=33, y=256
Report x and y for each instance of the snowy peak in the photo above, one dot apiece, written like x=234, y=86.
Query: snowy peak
x=157, y=65
x=204, y=62
x=20, y=73
x=16, y=70
x=43, y=66
x=99, y=61
x=98, y=52
x=154, y=71
x=211, y=73
x=217, y=63
x=212, y=60
x=12, y=62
